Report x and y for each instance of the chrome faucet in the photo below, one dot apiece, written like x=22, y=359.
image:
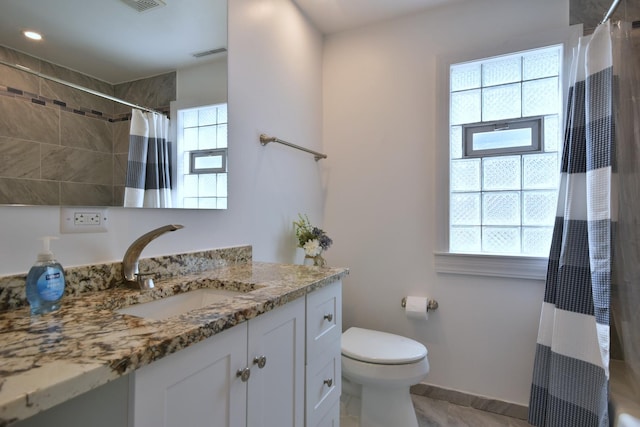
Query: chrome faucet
x=130, y=273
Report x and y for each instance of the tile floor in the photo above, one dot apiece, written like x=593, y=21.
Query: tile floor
x=440, y=413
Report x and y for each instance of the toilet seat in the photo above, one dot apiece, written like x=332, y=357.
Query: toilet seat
x=381, y=348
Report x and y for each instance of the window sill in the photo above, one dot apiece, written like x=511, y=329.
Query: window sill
x=517, y=267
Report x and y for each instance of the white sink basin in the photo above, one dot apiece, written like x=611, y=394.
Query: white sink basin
x=178, y=304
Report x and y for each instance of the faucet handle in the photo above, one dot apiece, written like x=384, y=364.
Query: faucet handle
x=145, y=280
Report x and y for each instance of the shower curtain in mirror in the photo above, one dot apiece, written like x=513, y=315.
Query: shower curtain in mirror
x=571, y=368
x=148, y=180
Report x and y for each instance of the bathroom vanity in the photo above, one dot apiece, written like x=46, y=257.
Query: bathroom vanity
x=265, y=354
x=278, y=369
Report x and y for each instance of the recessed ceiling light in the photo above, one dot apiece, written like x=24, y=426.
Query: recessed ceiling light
x=32, y=35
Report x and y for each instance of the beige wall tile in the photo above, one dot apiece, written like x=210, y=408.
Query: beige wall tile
x=25, y=120
x=154, y=92
x=118, y=195
x=121, y=137
x=29, y=192
x=120, y=168
x=11, y=77
x=73, y=97
x=19, y=158
x=76, y=165
x=85, y=132
x=591, y=12
x=74, y=194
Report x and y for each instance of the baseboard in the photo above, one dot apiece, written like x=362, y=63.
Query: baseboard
x=478, y=402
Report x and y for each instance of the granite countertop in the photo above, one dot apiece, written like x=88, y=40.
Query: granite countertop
x=48, y=359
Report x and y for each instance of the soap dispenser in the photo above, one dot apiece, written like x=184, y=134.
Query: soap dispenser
x=45, y=281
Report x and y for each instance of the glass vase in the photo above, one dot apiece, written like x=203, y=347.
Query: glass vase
x=317, y=260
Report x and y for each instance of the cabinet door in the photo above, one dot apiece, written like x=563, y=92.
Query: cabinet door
x=332, y=417
x=194, y=387
x=276, y=390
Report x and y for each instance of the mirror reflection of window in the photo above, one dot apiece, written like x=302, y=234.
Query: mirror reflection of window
x=201, y=167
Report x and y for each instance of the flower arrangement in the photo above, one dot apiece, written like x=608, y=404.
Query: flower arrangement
x=312, y=239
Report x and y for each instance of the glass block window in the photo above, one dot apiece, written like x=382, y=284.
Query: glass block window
x=504, y=144
x=202, y=157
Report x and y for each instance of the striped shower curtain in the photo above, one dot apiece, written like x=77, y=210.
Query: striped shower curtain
x=571, y=368
x=148, y=180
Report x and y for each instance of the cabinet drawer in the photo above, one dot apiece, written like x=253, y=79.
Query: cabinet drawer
x=324, y=319
x=324, y=384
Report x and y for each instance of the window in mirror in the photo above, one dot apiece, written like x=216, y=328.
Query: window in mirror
x=202, y=157
x=208, y=161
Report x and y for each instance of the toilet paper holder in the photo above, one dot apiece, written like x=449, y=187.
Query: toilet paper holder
x=431, y=304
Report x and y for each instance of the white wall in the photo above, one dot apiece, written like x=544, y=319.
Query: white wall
x=274, y=87
x=380, y=122
x=203, y=84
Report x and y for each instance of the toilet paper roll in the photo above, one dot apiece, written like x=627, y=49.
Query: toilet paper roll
x=416, y=308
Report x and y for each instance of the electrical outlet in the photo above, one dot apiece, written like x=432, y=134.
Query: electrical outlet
x=83, y=220
x=87, y=218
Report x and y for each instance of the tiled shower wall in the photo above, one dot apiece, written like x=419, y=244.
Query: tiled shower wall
x=63, y=146
x=591, y=12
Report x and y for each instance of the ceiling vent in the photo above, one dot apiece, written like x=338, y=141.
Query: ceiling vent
x=144, y=5
x=209, y=52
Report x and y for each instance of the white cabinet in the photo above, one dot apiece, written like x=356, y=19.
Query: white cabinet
x=203, y=385
x=323, y=369
x=290, y=357
x=331, y=418
x=276, y=358
x=194, y=387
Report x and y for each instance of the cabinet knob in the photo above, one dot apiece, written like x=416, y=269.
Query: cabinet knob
x=261, y=361
x=329, y=382
x=244, y=374
x=329, y=317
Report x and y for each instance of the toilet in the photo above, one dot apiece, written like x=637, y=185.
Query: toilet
x=377, y=370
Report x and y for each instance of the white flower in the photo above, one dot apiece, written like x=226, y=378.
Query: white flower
x=312, y=247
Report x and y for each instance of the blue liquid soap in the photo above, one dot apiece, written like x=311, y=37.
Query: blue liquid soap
x=45, y=282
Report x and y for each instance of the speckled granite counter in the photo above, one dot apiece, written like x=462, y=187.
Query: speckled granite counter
x=45, y=360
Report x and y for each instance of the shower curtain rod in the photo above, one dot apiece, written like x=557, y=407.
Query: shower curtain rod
x=611, y=10
x=78, y=87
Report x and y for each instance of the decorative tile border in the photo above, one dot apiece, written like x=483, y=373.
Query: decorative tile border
x=64, y=106
x=98, y=277
x=464, y=399
x=61, y=105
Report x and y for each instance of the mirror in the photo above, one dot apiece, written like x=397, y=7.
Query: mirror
x=63, y=145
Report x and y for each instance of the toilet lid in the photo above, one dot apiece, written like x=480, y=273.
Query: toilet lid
x=381, y=347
